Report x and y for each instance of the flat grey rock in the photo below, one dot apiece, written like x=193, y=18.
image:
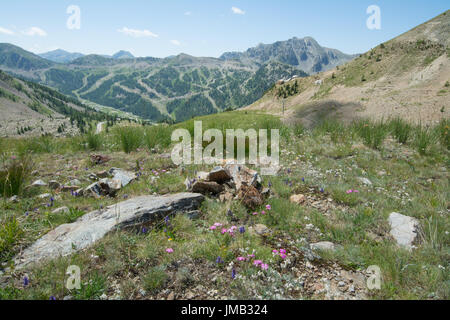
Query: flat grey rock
x=323, y=246
x=404, y=229
x=69, y=238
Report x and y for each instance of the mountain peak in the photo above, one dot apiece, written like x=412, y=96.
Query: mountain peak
x=122, y=54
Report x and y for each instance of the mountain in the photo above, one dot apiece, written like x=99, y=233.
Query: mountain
x=60, y=56
x=123, y=55
x=306, y=54
x=181, y=86
x=407, y=76
x=28, y=108
x=15, y=58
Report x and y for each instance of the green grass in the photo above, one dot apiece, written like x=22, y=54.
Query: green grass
x=13, y=174
x=130, y=138
x=333, y=156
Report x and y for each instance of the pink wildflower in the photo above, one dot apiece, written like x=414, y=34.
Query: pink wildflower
x=263, y=212
x=275, y=251
x=169, y=250
x=269, y=207
x=283, y=251
x=283, y=256
x=212, y=228
x=257, y=262
x=264, y=266
x=241, y=259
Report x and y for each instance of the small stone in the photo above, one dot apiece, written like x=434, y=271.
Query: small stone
x=298, y=199
x=404, y=229
x=74, y=182
x=204, y=187
x=365, y=181
x=323, y=246
x=61, y=210
x=104, y=297
x=219, y=175
x=38, y=183
x=14, y=199
x=171, y=296
x=143, y=292
x=45, y=196
x=260, y=229
x=67, y=298
x=341, y=284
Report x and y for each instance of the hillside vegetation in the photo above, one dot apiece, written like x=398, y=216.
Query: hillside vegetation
x=407, y=76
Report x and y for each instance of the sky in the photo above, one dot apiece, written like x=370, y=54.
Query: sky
x=161, y=28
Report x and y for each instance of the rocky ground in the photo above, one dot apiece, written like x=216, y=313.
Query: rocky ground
x=140, y=227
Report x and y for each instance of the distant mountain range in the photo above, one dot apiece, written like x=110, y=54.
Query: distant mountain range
x=62, y=56
x=177, y=87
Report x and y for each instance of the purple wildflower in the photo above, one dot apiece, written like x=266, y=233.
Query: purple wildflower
x=26, y=281
x=233, y=274
x=242, y=229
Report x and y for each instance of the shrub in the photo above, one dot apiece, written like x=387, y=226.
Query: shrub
x=130, y=138
x=372, y=133
x=400, y=130
x=10, y=233
x=155, y=279
x=424, y=139
x=158, y=135
x=13, y=175
x=94, y=141
x=442, y=131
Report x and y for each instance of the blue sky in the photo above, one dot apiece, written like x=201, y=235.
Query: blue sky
x=160, y=28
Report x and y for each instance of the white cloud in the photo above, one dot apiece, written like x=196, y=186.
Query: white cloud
x=237, y=10
x=175, y=42
x=137, y=33
x=6, y=31
x=188, y=13
x=35, y=31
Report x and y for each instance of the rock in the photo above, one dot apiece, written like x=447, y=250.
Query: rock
x=404, y=229
x=225, y=197
x=60, y=210
x=365, y=181
x=171, y=296
x=266, y=192
x=99, y=159
x=38, y=183
x=74, y=182
x=241, y=173
x=205, y=187
x=260, y=229
x=125, y=177
x=250, y=196
x=297, y=199
x=322, y=246
x=44, y=196
x=219, y=175
x=92, y=177
x=134, y=213
x=102, y=174
x=54, y=185
x=194, y=215
x=14, y=199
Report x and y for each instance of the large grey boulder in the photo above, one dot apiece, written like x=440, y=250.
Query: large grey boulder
x=404, y=229
x=69, y=238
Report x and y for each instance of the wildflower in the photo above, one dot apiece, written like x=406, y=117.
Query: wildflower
x=241, y=259
x=264, y=266
x=26, y=281
x=263, y=213
x=251, y=255
x=283, y=251
x=212, y=228
x=230, y=213
x=270, y=184
x=283, y=256
x=125, y=196
x=275, y=251
x=166, y=219
x=219, y=260
x=322, y=190
x=242, y=230
x=233, y=274
x=13, y=157
x=217, y=224
x=269, y=207
x=349, y=191
x=303, y=179
x=144, y=230
x=170, y=239
x=224, y=230
x=233, y=228
x=52, y=298
x=255, y=213
x=257, y=262
x=169, y=250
